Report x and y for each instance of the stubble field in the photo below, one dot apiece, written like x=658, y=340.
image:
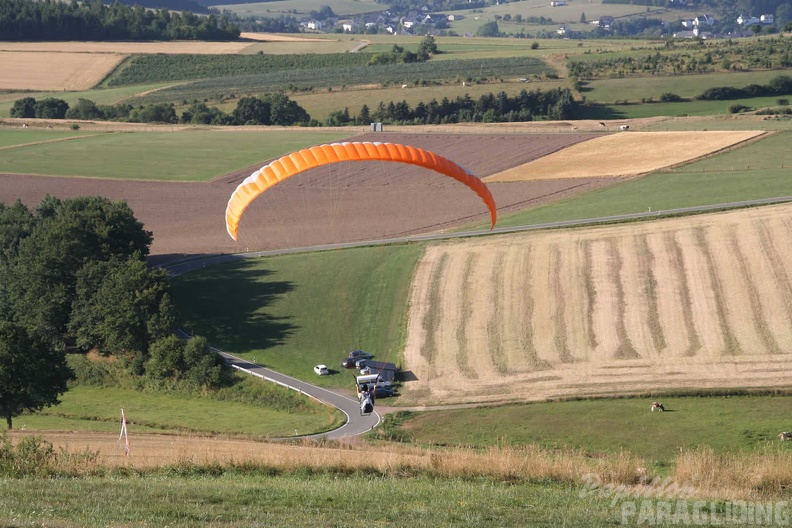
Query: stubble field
x=51, y=70
x=681, y=303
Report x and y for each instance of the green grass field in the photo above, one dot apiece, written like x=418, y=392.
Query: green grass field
x=726, y=424
x=98, y=409
x=295, y=311
x=197, y=155
x=634, y=89
x=13, y=137
x=229, y=498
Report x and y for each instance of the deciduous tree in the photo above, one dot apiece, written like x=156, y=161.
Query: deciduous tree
x=32, y=374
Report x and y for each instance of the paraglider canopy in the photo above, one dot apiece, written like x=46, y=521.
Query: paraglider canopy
x=302, y=160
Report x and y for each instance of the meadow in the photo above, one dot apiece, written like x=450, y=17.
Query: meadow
x=194, y=155
x=97, y=409
x=726, y=424
x=295, y=311
x=644, y=88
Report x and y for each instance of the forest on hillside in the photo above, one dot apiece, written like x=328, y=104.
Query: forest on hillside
x=51, y=20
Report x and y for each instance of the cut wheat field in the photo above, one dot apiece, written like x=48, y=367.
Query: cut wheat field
x=696, y=302
x=55, y=71
x=625, y=154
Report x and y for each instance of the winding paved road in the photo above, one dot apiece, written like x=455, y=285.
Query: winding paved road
x=355, y=423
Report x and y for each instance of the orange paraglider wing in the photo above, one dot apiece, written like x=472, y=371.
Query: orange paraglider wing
x=305, y=159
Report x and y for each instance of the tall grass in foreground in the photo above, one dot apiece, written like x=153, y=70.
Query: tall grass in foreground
x=757, y=476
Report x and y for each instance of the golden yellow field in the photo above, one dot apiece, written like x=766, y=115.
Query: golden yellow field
x=55, y=71
x=692, y=302
x=625, y=154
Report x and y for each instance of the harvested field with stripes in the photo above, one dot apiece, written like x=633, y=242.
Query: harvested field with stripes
x=695, y=302
x=55, y=71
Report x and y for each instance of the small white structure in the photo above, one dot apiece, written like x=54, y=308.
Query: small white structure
x=747, y=20
x=624, y=127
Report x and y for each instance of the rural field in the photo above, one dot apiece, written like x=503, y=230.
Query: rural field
x=693, y=302
x=55, y=71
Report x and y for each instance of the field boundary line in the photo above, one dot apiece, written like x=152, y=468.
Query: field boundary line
x=58, y=140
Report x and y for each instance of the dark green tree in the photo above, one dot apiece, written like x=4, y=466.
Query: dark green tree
x=121, y=306
x=67, y=235
x=192, y=361
x=251, y=111
x=25, y=107
x=285, y=112
x=32, y=374
x=489, y=29
x=51, y=108
x=427, y=48
x=84, y=109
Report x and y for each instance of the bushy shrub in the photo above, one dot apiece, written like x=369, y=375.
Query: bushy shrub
x=670, y=97
x=31, y=456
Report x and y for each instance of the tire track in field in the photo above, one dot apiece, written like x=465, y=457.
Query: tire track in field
x=590, y=292
x=495, y=321
x=758, y=317
x=731, y=346
x=678, y=265
x=559, y=316
x=782, y=279
x=431, y=319
x=625, y=348
x=646, y=269
x=523, y=275
x=465, y=316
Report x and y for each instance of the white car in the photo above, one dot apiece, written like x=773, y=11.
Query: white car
x=321, y=370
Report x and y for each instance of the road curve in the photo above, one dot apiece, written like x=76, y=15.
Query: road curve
x=354, y=425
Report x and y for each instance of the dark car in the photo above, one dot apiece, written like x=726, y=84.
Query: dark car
x=359, y=354
x=384, y=392
x=349, y=362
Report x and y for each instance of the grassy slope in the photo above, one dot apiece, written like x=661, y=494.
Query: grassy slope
x=197, y=155
x=295, y=311
x=228, y=498
x=97, y=409
x=727, y=424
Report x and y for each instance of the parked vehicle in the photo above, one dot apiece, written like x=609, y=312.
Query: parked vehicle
x=359, y=354
x=349, y=362
x=321, y=370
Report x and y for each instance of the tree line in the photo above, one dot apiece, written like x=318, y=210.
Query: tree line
x=278, y=109
x=31, y=20
x=272, y=109
x=73, y=276
x=557, y=103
